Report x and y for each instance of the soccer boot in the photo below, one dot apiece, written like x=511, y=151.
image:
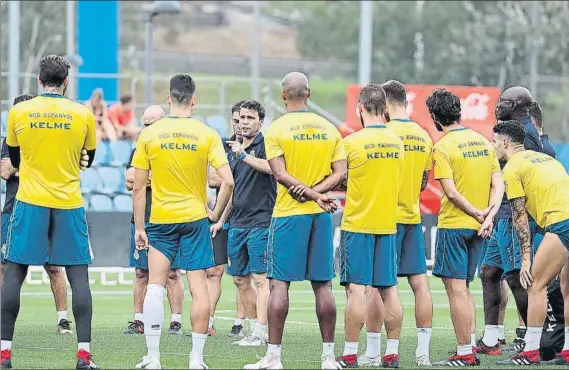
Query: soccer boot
x=423, y=361
x=391, y=361
x=64, y=327
x=237, y=332
x=523, y=358
x=85, y=361
x=149, y=363
x=330, y=363
x=134, y=327
x=198, y=365
x=482, y=349
x=561, y=358
x=364, y=361
x=502, y=342
x=270, y=361
x=347, y=361
x=175, y=328
x=253, y=340
x=459, y=360
x=6, y=359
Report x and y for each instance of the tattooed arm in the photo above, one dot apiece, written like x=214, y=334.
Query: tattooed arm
x=521, y=225
x=425, y=180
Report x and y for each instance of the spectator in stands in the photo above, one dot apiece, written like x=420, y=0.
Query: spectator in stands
x=105, y=129
x=121, y=116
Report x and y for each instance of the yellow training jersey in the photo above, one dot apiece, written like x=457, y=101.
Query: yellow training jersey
x=468, y=158
x=418, y=148
x=375, y=160
x=543, y=181
x=178, y=151
x=309, y=144
x=51, y=131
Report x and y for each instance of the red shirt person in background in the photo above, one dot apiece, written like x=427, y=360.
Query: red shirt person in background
x=121, y=116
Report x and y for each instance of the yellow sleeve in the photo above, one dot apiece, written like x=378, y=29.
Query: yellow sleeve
x=339, y=150
x=514, y=187
x=495, y=163
x=272, y=144
x=216, y=156
x=140, y=159
x=11, y=138
x=429, y=148
x=91, y=139
x=442, y=167
x=352, y=154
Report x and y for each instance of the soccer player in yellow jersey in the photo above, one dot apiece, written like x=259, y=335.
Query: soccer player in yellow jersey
x=409, y=243
x=367, y=247
x=539, y=184
x=177, y=149
x=45, y=138
x=306, y=156
x=467, y=167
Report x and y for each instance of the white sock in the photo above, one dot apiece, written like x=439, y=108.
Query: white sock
x=260, y=328
x=473, y=339
x=350, y=348
x=210, y=324
x=373, y=348
x=61, y=315
x=198, y=343
x=6, y=344
x=274, y=349
x=252, y=325
x=327, y=349
x=464, y=350
x=239, y=322
x=83, y=346
x=138, y=316
x=501, y=332
x=176, y=317
x=490, y=335
x=566, y=345
x=392, y=347
x=153, y=318
x=423, y=342
x=533, y=337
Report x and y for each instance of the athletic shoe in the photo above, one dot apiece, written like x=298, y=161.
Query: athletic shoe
x=482, y=349
x=6, y=359
x=364, y=361
x=149, y=363
x=423, y=361
x=252, y=340
x=85, y=361
x=211, y=332
x=330, y=363
x=518, y=347
x=390, y=361
x=561, y=358
x=198, y=365
x=63, y=327
x=347, y=361
x=237, y=332
x=175, y=328
x=134, y=327
x=502, y=342
x=460, y=360
x=270, y=361
x=523, y=358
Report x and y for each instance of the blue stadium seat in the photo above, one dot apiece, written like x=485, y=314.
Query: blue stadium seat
x=102, y=155
x=123, y=203
x=219, y=124
x=111, y=178
x=101, y=203
x=120, y=151
x=3, y=200
x=4, y=118
x=90, y=181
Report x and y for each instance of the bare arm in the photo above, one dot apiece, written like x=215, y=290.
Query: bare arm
x=460, y=201
x=425, y=181
x=521, y=225
x=227, y=210
x=496, y=193
x=225, y=191
x=338, y=176
x=259, y=164
x=139, y=197
x=282, y=176
x=129, y=178
x=6, y=169
x=213, y=179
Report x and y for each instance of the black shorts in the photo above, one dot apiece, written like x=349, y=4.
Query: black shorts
x=220, y=247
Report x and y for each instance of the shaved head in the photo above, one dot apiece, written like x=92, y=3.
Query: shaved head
x=152, y=114
x=295, y=86
x=519, y=94
x=514, y=103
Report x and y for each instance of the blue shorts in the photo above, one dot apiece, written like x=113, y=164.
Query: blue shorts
x=39, y=235
x=368, y=259
x=301, y=248
x=482, y=255
x=247, y=251
x=457, y=253
x=5, y=224
x=410, y=247
x=139, y=258
x=189, y=242
x=561, y=229
x=503, y=248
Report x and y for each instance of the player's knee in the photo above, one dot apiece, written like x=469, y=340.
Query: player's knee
x=242, y=282
x=356, y=292
x=214, y=273
x=490, y=274
x=419, y=284
x=455, y=287
x=260, y=281
x=173, y=277
x=53, y=271
x=141, y=275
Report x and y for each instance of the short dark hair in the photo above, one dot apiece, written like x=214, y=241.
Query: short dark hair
x=126, y=98
x=256, y=106
x=22, y=97
x=182, y=88
x=444, y=106
x=372, y=97
x=536, y=113
x=237, y=106
x=512, y=129
x=395, y=92
x=54, y=69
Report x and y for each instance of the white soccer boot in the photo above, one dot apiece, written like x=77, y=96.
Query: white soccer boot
x=149, y=363
x=270, y=361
